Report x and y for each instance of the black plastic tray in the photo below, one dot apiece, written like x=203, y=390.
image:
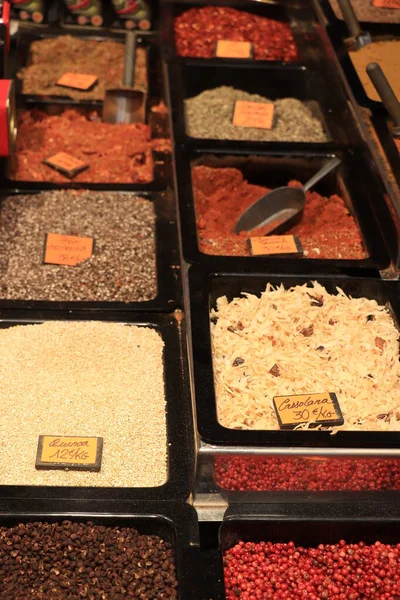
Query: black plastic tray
x=28, y=35
x=306, y=525
x=176, y=523
x=338, y=33
x=205, y=288
x=383, y=131
x=300, y=18
x=276, y=170
x=167, y=264
x=161, y=160
x=188, y=79
x=178, y=412
x=296, y=478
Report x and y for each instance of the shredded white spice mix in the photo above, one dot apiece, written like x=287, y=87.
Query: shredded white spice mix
x=305, y=340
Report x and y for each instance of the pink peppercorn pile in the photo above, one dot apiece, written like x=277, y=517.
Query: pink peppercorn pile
x=266, y=571
x=302, y=474
x=198, y=29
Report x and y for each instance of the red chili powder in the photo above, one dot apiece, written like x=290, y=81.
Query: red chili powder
x=115, y=153
x=326, y=230
x=198, y=29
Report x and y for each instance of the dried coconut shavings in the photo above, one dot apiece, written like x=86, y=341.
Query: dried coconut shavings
x=305, y=340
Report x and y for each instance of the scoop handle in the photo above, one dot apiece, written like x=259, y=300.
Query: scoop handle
x=385, y=91
x=350, y=18
x=130, y=59
x=325, y=169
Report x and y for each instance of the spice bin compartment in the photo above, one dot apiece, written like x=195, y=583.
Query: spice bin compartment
x=299, y=19
x=162, y=276
x=205, y=288
x=306, y=525
x=257, y=478
x=144, y=157
x=175, y=523
x=273, y=170
x=188, y=80
x=150, y=80
x=339, y=33
x=178, y=472
x=382, y=127
x=365, y=13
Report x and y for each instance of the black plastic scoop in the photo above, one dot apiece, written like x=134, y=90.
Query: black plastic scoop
x=387, y=95
x=359, y=37
x=125, y=105
x=281, y=208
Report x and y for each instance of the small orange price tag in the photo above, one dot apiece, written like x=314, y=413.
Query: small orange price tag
x=67, y=164
x=397, y=142
x=275, y=244
x=69, y=452
x=253, y=114
x=78, y=81
x=386, y=3
x=231, y=49
x=296, y=409
x=67, y=249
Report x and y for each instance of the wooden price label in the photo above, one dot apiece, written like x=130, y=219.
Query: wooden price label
x=78, y=81
x=67, y=164
x=386, y=3
x=230, y=49
x=69, y=452
x=253, y=114
x=275, y=244
x=68, y=250
x=321, y=409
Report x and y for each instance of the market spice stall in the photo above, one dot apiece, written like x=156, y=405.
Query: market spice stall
x=200, y=411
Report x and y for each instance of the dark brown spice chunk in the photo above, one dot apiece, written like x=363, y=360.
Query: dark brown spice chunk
x=380, y=343
x=275, y=371
x=317, y=300
x=238, y=361
x=307, y=331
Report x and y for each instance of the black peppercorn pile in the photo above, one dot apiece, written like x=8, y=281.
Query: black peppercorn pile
x=81, y=560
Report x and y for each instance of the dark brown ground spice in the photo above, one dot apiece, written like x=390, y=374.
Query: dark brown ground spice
x=115, y=153
x=61, y=561
x=326, y=230
x=50, y=58
x=198, y=29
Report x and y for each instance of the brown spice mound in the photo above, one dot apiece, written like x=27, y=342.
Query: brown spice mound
x=198, y=29
x=50, y=58
x=115, y=153
x=326, y=230
x=83, y=560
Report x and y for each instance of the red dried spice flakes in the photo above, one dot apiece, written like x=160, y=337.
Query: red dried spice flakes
x=198, y=29
x=115, y=153
x=339, y=571
x=326, y=230
x=302, y=474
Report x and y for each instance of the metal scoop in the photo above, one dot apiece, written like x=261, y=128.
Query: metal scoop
x=387, y=95
x=281, y=208
x=125, y=105
x=359, y=37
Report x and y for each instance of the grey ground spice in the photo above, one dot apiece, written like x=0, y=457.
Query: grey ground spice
x=209, y=115
x=61, y=561
x=86, y=379
x=122, y=267
x=50, y=58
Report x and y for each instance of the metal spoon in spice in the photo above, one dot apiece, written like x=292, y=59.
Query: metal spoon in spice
x=387, y=95
x=125, y=105
x=359, y=38
x=281, y=208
